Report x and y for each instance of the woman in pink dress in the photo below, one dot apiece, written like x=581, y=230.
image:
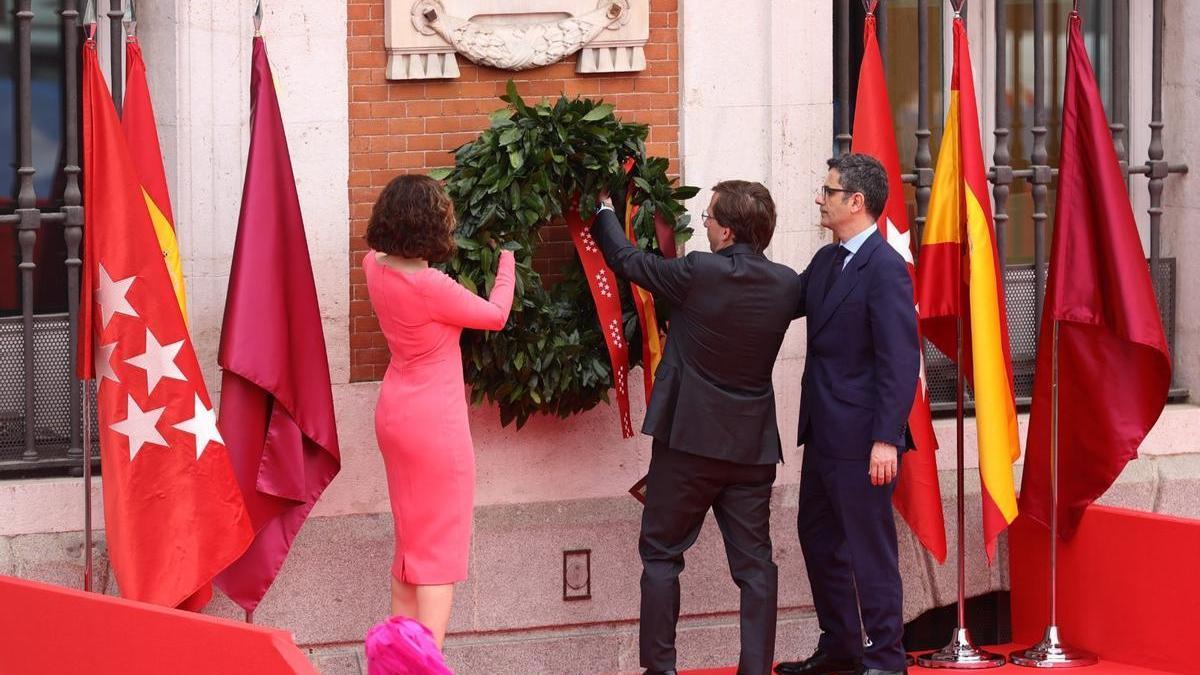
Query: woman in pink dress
x=421, y=418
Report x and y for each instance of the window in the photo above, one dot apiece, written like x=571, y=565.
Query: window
x=1019, y=90
x=46, y=138
x=1107, y=37
x=39, y=402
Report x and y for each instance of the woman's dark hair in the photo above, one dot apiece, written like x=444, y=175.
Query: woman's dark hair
x=413, y=218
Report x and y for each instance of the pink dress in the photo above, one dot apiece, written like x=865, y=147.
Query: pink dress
x=421, y=419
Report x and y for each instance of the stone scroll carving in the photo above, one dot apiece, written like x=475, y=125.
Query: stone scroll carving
x=422, y=43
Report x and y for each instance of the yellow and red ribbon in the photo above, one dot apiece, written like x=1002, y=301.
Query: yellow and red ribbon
x=643, y=301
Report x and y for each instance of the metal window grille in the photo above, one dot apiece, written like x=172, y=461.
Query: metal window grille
x=40, y=399
x=1024, y=283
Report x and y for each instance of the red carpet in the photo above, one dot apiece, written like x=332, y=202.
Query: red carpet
x=1126, y=591
x=1102, y=668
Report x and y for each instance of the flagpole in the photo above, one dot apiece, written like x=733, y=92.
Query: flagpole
x=257, y=18
x=89, y=29
x=116, y=31
x=960, y=653
x=1051, y=652
x=87, y=485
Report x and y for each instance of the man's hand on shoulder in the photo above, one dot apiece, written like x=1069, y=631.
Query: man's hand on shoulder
x=883, y=463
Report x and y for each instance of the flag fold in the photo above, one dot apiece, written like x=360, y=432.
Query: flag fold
x=141, y=132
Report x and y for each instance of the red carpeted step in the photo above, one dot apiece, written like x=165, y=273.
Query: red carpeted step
x=1102, y=668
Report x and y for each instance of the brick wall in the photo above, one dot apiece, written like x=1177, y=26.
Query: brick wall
x=411, y=127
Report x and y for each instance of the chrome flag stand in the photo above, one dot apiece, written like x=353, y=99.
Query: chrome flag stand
x=1051, y=652
x=87, y=486
x=960, y=652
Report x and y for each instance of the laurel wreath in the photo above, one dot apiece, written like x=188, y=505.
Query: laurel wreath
x=533, y=163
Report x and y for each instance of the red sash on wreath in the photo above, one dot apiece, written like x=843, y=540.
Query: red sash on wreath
x=603, y=284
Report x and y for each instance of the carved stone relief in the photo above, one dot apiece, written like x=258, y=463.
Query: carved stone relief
x=423, y=37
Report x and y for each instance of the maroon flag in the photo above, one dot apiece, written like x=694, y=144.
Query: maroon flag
x=276, y=404
x=1114, y=368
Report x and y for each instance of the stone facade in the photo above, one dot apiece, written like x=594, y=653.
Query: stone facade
x=510, y=618
x=743, y=93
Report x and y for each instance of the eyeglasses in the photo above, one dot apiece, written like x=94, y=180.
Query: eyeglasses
x=827, y=192
x=706, y=216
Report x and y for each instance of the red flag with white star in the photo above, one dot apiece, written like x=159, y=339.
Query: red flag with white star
x=173, y=514
x=918, y=496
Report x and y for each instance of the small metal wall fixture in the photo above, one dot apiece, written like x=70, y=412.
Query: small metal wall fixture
x=577, y=574
x=424, y=37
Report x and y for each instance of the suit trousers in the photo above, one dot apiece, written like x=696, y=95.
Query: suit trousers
x=848, y=537
x=680, y=489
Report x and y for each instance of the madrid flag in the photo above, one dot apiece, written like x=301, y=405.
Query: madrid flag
x=173, y=514
x=918, y=496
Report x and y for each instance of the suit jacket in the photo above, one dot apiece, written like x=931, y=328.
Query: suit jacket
x=863, y=359
x=713, y=394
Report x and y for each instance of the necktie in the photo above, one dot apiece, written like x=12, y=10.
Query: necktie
x=839, y=259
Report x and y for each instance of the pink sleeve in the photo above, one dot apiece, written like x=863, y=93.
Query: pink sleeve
x=452, y=304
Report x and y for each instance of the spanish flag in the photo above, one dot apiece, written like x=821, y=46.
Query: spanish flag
x=959, y=276
x=141, y=134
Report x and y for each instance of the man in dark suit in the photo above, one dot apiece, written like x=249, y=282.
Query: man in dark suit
x=860, y=376
x=712, y=413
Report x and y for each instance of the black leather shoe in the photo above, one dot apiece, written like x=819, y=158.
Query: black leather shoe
x=660, y=672
x=819, y=663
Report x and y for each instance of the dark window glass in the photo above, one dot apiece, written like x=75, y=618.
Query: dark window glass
x=46, y=138
x=1097, y=35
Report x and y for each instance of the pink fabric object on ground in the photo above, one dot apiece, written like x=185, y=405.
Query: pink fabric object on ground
x=403, y=646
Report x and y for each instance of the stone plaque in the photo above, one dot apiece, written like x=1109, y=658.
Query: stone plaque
x=424, y=38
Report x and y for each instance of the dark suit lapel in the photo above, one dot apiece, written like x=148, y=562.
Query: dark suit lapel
x=845, y=283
